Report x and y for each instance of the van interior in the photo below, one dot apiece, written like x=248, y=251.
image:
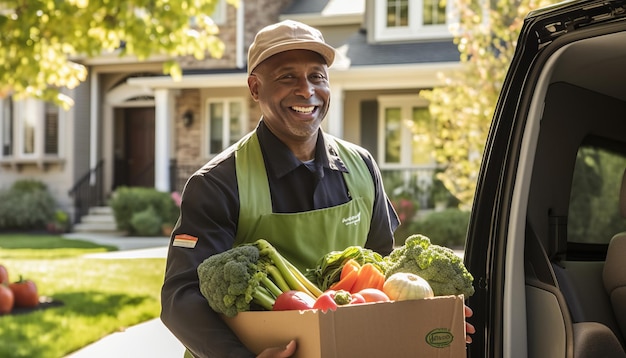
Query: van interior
x=567, y=202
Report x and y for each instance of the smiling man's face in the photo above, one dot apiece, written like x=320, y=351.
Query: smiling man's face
x=293, y=92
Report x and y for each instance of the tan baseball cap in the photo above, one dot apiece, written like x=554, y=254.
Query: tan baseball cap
x=284, y=36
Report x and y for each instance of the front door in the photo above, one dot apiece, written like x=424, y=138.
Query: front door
x=139, y=146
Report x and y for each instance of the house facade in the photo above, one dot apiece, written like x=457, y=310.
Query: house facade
x=133, y=126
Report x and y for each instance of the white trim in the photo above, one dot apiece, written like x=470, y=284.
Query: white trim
x=34, y=111
x=120, y=94
x=219, y=14
x=406, y=104
x=164, y=116
x=333, y=123
x=5, y=123
x=334, y=13
x=94, y=109
x=30, y=110
x=192, y=81
x=362, y=77
x=115, y=98
x=225, y=135
x=416, y=30
x=426, y=75
x=240, y=56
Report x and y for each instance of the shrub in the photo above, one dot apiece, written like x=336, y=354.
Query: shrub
x=60, y=223
x=128, y=201
x=27, y=205
x=446, y=228
x=29, y=186
x=146, y=222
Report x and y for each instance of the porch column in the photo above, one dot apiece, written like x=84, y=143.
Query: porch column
x=94, y=109
x=334, y=118
x=163, y=118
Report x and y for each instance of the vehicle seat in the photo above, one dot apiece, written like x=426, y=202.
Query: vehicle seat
x=614, y=273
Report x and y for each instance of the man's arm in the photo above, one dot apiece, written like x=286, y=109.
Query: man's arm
x=209, y=211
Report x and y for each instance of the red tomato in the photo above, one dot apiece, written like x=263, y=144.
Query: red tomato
x=293, y=300
x=6, y=299
x=25, y=293
x=4, y=275
x=374, y=295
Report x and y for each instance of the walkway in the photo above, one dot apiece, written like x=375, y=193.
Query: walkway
x=148, y=339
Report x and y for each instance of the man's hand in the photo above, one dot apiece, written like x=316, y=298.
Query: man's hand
x=279, y=352
x=469, y=328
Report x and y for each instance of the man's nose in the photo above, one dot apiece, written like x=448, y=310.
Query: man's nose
x=304, y=88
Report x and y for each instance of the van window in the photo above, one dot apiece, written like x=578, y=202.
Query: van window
x=593, y=211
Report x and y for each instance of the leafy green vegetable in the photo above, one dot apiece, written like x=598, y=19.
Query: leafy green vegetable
x=328, y=268
x=439, y=265
x=255, y=272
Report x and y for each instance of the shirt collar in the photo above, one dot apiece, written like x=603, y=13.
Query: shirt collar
x=326, y=153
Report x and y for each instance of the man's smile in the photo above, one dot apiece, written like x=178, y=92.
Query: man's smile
x=304, y=110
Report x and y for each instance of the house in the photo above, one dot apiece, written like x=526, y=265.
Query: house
x=133, y=126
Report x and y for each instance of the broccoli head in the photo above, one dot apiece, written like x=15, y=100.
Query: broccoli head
x=253, y=272
x=228, y=280
x=439, y=265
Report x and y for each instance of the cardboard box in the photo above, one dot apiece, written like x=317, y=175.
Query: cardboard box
x=433, y=327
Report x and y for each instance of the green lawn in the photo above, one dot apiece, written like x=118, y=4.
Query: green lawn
x=98, y=296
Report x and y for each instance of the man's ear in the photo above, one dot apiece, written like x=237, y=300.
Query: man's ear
x=253, y=86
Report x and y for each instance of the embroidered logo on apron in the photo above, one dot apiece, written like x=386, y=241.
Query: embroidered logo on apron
x=352, y=220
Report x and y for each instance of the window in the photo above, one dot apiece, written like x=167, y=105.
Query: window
x=51, y=133
x=6, y=114
x=398, y=20
x=405, y=131
x=218, y=16
x=226, y=123
x=593, y=216
x=30, y=130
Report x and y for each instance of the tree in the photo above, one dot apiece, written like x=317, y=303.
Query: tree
x=463, y=108
x=41, y=41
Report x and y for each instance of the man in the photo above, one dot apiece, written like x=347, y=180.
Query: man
x=303, y=190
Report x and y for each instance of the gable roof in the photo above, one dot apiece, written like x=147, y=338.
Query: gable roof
x=362, y=53
x=325, y=7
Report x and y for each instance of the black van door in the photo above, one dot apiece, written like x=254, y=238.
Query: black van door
x=565, y=91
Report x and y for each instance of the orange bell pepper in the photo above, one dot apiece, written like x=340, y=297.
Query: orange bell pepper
x=349, y=275
x=369, y=277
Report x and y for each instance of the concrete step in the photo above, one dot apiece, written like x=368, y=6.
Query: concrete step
x=101, y=210
x=99, y=220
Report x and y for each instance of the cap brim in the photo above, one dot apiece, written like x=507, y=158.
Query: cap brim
x=326, y=51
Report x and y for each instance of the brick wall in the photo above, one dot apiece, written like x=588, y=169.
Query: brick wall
x=257, y=14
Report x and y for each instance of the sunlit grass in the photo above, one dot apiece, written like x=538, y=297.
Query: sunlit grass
x=99, y=296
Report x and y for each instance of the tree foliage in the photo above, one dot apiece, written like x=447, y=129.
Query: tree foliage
x=43, y=41
x=463, y=108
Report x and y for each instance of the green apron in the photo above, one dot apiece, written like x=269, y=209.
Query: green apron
x=302, y=238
